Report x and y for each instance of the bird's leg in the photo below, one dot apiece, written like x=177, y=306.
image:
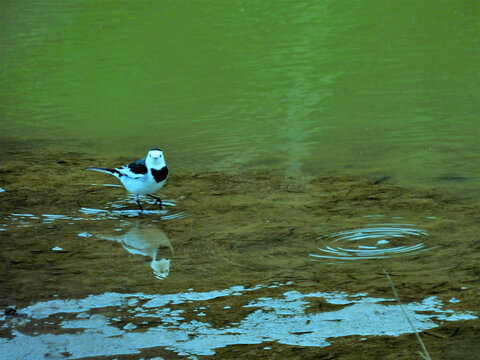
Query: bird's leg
x=139, y=205
x=159, y=201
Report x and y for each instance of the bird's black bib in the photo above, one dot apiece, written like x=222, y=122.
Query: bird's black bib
x=160, y=175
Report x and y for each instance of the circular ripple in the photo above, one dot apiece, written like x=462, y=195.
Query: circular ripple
x=375, y=242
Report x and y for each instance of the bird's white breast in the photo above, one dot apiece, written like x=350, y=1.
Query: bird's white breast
x=143, y=185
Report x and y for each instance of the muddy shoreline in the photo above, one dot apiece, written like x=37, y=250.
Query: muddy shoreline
x=238, y=228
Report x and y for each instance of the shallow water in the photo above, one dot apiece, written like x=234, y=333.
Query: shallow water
x=312, y=145
x=232, y=265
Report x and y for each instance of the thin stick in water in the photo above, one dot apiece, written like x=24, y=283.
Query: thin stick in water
x=425, y=355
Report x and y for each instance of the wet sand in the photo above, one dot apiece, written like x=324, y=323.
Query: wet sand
x=230, y=228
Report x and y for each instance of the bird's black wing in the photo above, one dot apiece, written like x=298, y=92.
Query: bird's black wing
x=135, y=169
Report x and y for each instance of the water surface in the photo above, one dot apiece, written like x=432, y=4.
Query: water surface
x=302, y=86
x=299, y=134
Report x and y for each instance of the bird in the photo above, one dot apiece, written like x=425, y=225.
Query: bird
x=142, y=177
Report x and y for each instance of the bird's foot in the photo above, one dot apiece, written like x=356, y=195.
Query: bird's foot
x=159, y=201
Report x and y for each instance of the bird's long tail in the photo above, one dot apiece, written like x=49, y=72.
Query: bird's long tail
x=113, y=172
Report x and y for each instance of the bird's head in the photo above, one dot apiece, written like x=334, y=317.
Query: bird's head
x=155, y=159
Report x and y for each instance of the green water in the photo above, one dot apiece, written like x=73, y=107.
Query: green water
x=375, y=87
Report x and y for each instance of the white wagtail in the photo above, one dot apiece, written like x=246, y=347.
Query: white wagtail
x=142, y=177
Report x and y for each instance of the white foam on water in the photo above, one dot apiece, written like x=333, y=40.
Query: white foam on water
x=48, y=218
x=85, y=234
x=117, y=211
x=280, y=319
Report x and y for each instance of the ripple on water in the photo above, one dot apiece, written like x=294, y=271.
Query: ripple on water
x=118, y=209
x=114, y=211
x=374, y=242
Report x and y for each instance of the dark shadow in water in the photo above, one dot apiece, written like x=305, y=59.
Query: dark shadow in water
x=453, y=178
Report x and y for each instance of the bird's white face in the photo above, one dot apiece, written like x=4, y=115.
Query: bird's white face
x=155, y=159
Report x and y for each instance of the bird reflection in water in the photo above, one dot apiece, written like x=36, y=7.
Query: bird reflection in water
x=151, y=242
